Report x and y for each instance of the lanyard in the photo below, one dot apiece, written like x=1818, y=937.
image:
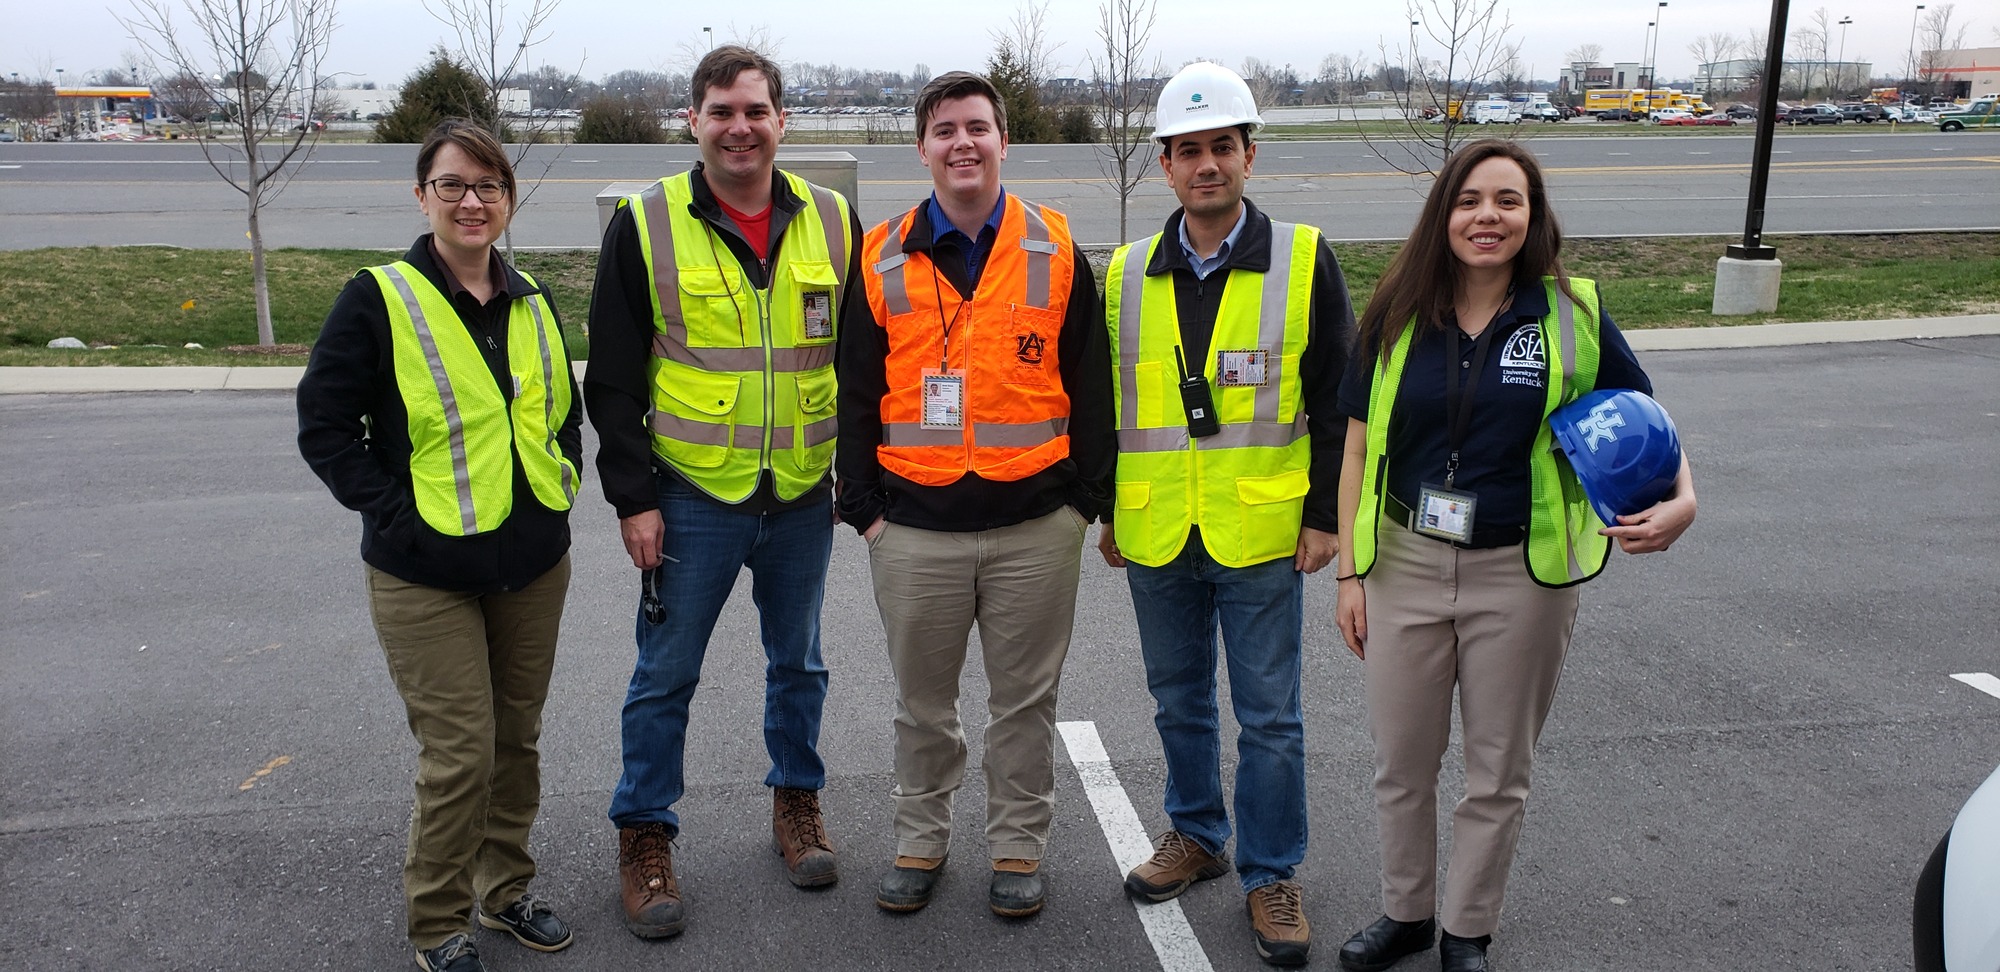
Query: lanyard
x=937, y=297
x=1459, y=395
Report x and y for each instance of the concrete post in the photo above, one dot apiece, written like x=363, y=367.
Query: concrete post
x=1746, y=286
x=837, y=171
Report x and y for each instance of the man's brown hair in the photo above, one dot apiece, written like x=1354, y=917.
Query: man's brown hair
x=475, y=141
x=953, y=85
x=721, y=66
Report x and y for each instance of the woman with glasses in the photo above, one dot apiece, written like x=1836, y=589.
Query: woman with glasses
x=440, y=405
x=1464, y=537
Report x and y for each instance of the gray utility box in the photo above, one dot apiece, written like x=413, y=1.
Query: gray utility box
x=834, y=170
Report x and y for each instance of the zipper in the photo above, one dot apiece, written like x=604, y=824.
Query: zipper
x=763, y=298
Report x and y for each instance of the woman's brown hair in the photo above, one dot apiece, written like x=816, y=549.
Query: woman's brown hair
x=477, y=143
x=1422, y=281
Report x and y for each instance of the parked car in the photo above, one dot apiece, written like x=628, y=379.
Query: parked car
x=1855, y=111
x=1617, y=114
x=1812, y=115
x=1713, y=118
x=1952, y=922
x=1672, y=116
x=1924, y=116
x=1740, y=111
x=1984, y=113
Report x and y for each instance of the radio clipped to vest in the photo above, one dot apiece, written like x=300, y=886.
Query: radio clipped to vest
x=1197, y=401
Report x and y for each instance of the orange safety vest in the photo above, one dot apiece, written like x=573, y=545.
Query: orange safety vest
x=1014, y=411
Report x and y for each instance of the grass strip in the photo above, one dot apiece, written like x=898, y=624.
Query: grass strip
x=136, y=296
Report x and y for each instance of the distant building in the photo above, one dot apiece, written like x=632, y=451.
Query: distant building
x=1970, y=72
x=1842, y=78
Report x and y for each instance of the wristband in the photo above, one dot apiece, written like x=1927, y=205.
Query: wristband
x=1347, y=578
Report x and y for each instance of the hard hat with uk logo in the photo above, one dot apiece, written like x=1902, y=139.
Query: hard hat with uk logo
x=1201, y=97
x=1624, y=448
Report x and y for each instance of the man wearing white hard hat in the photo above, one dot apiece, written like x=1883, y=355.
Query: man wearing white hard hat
x=1231, y=333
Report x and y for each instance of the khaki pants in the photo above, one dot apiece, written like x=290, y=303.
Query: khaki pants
x=473, y=671
x=1438, y=618
x=1019, y=583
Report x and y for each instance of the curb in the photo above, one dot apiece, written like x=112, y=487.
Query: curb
x=84, y=379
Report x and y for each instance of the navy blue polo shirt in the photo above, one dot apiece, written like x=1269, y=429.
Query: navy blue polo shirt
x=975, y=250
x=1507, y=408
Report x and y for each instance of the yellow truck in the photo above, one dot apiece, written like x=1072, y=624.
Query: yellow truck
x=1640, y=102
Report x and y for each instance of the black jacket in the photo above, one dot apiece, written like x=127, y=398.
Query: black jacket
x=355, y=434
x=1329, y=339
x=1083, y=357
x=617, y=386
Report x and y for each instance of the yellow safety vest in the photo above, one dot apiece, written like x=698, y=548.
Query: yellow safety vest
x=1563, y=546
x=743, y=378
x=1246, y=485
x=464, y=432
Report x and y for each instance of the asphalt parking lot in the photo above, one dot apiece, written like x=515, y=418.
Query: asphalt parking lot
x=1756, y=744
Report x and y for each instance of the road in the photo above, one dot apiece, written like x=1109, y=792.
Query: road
x=1756, y=745
x=68, y=194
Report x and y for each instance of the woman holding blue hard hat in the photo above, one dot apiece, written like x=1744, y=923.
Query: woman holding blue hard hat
x=1481, y=370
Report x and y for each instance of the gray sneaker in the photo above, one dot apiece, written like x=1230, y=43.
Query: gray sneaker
x=532, y=923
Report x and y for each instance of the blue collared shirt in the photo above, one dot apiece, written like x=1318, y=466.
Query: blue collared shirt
x=975, y=250
x=1205, y=266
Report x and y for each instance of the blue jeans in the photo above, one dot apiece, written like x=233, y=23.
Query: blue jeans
x=1260, y=610
x=707, y=545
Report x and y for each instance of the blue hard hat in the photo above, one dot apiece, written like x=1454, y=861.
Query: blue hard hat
x=1624, y=449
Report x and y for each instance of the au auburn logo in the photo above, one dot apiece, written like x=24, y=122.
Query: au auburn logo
x=1029, y=347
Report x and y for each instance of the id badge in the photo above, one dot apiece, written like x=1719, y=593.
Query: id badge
x=1445, y=514
x=1242, y=369
x=944, y=399
x=819, y=315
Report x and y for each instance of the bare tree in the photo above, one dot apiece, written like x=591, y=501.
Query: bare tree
x=1027, y=36
x=1936, y=37
x=1507, y=69
x=1585, y=54
x=28, y=102
x=1708, y=50
x=1119, y=70
x=1470, y=37
x=1809, y=42
x=267, y=54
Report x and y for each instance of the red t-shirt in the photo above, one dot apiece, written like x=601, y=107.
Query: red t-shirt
x=756, y=229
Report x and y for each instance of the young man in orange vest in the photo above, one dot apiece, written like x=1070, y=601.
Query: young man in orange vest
x=975, y=448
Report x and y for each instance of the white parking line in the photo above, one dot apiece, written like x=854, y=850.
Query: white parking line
x=9, y=166
x=1283, y=157
x=1167, y=927
x=1981, y=681
x=1699, y=153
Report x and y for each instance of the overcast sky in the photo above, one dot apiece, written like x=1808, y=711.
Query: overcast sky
x=384, y=40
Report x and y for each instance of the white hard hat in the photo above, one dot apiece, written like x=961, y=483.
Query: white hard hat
x=1201, y=97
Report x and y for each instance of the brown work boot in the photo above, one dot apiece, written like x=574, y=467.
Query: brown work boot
x=1177, y=863
x=798, y=834
x=651, y=896
x=1278, y=917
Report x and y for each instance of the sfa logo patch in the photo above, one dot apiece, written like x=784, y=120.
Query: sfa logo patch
x=1597, y=426
x=1524, y=359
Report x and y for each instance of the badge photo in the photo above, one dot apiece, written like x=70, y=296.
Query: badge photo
x=818, y=307
x=1243, y=369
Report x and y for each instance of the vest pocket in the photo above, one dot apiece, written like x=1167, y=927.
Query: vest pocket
x=709, y=305
x=692, y=410
x=813, y=432
x=1273, y=509
x=813, y=286
x=1033, y=332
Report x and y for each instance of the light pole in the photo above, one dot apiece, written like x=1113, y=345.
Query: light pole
x=710, y=31
x=1841, y=59
x=1915, y=71
x=1646, y=57
x=1653, y=70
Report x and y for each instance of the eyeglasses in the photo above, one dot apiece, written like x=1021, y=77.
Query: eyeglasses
x=452, y=190
x=649, y=595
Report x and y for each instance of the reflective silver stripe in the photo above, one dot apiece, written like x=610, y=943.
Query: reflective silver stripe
x=1240, y=435
x=680, y=429
x=744, y=359
x=1130, y=291
x=1039, y=257
x=785, y=437
x=1025, y=435
x=1271, y=319
x=889, y=267
x=834, y=227
x=549, y=397
x=902, y=434
x=461, y=474
x=666, y=271
x=1566, y=315
x=1152, y=440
